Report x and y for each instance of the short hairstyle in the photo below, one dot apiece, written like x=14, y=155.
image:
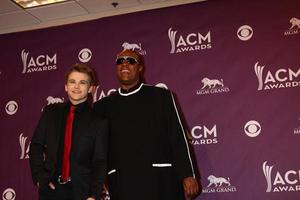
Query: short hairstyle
x=83, y=68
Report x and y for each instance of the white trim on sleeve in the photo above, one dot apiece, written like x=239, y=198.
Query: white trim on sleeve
x=111, y=171
x=161, y=165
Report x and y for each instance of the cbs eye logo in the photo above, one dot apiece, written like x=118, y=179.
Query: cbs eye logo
x=11, y=107
x=9, y=194
x=245, y=32
x=85, y=55
x=252, y=128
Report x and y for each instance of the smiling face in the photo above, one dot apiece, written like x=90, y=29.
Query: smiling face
x=128, y=70
x=77, y=87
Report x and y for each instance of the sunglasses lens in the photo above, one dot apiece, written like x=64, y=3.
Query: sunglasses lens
x=120, y=61
x=130, y=60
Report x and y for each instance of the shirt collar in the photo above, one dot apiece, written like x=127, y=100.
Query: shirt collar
x=130, y=91
x=79, y=107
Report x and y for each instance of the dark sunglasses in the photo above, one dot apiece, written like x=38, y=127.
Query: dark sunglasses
x=128, y=59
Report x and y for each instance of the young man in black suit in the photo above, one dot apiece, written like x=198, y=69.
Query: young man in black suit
x=69, y=145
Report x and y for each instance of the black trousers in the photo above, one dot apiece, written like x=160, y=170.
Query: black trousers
x=61, y=192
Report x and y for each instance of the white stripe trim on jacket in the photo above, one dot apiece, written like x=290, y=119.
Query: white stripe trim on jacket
x=161, y=165
x=111, y=171
x=183, y=133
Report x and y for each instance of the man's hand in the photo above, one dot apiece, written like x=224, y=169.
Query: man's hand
x=191, y=186
x=51, y=185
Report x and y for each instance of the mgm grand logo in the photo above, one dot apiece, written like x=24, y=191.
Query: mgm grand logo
x=294, y=28
x=218, y=184
x=212, y=86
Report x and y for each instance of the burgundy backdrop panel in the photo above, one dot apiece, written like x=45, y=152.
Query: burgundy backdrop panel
x=233, y=65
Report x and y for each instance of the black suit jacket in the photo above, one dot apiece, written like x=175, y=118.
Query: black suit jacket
x=148, y=151
x=88, y=151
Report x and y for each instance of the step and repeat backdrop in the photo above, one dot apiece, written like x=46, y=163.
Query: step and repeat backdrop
x=233, y=65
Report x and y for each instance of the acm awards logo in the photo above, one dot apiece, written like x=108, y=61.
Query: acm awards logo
x=190, y=42
x=134, y=47
x=288, y=181
x=25, y=145
x=218, y=184
x=37, y=64
x=212, y=86
x=97, y=94
x=281, y=78
x=204, y=135
x=294, y=28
